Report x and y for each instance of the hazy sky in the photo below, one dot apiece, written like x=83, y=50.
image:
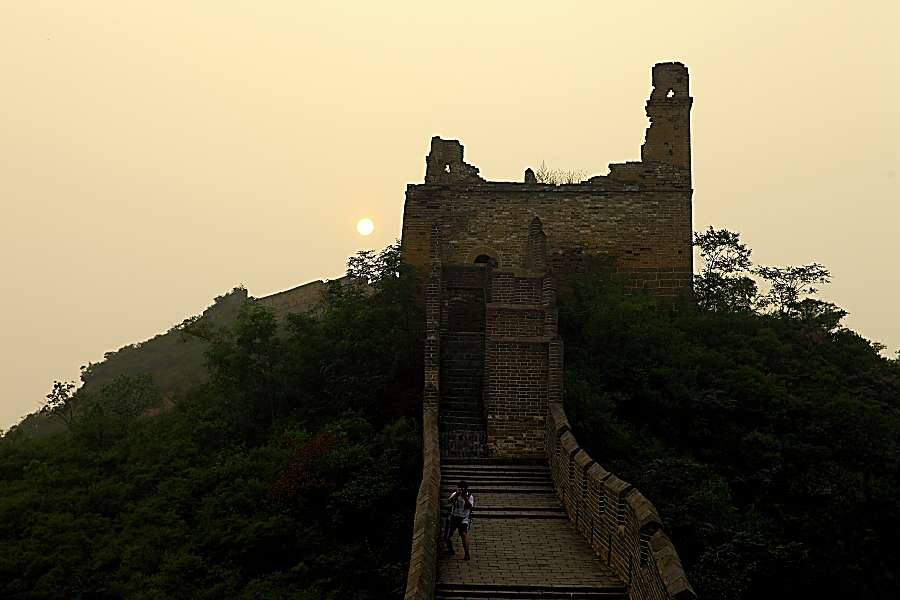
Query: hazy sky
x=154, y=155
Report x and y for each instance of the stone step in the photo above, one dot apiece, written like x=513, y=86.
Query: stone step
x=462, y=426
x=461, y=375
x=448, y=591
x=460, y=411
x=495, y=461
x=474, y=484
x=537, y=471
x=474, y=428
x=451, y=393
x=447, y=424
x=459, y=400
x=454, y=401
x=514, y=478
x=463, y=436
x=501, y=466
x=510, y=465
x=462, y=396
x=485, y=512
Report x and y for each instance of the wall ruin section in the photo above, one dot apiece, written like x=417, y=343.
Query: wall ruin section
x=640, y=213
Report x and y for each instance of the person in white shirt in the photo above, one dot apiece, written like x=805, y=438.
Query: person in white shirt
x=461, y=503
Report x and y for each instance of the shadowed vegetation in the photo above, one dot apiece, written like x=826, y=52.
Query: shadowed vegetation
x=290, y=473
x=766, y=434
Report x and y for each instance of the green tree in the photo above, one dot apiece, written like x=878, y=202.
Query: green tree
x=105, y=417
x=127, y=398
x=61, y=403
x=721, y=284
x=789, y=285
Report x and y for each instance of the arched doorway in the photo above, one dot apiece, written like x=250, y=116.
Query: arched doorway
x=480, y=255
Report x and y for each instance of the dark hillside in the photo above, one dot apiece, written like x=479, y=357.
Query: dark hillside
x=291, y=472
x=768, y=441
x=176, y=364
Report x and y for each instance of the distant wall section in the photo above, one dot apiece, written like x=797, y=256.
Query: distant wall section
x=301, y=299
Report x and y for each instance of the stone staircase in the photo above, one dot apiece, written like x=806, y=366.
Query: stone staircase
x=461, y=420
x=522, y=543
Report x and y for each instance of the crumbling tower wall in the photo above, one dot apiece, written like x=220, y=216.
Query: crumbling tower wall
x=499, y=252
x=639, y=215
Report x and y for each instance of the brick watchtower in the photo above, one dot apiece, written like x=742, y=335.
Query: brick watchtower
x=495, y=253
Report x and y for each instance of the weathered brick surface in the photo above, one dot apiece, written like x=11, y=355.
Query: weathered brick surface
x=640, y=213
x=521, y=322
x=496, y=255
x=301, y=299
x=619, y=522
x=522, y=544
x=426, y=532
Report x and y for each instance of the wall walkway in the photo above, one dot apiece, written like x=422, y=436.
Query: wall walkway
x=522, y=542
x=621, y=524
x=549, y=521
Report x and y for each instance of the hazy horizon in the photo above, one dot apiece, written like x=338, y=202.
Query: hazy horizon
x=156, y=155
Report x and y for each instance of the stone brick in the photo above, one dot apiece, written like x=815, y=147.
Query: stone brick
x=496, y=256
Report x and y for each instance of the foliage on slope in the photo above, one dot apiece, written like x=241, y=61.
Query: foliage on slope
x=768, y=440
x=233, y=493
x=176, y=363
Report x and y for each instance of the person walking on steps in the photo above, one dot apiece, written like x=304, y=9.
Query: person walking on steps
x=461, y=502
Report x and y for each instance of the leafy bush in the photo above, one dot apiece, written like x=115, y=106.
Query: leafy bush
x=769, y=442
x=199, y=502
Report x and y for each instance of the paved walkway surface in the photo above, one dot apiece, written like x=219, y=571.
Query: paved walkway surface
x=522, y=542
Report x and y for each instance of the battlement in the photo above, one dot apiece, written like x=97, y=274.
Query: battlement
x=639, y=214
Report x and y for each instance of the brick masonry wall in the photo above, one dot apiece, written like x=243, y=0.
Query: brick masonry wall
x=619, y=522
x=521, y=322
x=422, y=573
x=649, y=232
x=640, y=213
x=301, y=299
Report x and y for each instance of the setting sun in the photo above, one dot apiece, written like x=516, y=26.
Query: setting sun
x=365, y=226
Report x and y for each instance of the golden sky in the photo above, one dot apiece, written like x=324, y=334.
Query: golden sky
x=154, y=155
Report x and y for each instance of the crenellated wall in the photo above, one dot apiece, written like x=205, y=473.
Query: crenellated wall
x=619, y=522
x=639, y=214
x=301, y=299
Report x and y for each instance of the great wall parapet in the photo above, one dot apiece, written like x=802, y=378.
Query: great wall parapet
x=621, y=524
x=496, y=254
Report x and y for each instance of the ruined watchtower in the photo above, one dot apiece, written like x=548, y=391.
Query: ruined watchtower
x=496, y=251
